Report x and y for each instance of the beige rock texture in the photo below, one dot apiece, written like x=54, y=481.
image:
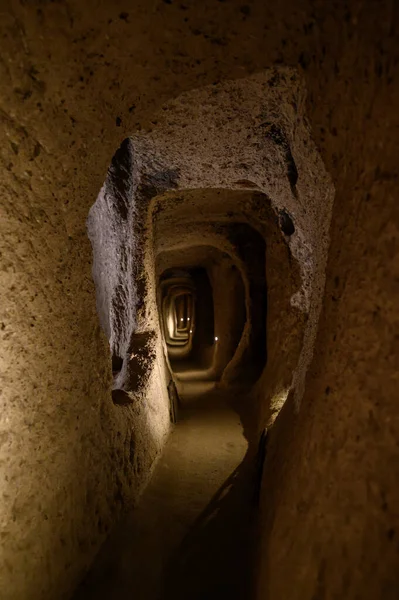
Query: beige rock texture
x=76, y=80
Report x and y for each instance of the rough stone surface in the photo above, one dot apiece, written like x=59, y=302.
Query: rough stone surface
x=261, y=121
x=75, y=80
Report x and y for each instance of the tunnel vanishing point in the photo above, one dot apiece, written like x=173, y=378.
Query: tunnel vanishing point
x=199, y=300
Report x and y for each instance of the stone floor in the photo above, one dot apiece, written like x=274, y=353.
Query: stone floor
x=191, y=536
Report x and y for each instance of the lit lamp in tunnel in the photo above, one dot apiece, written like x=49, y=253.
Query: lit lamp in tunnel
x=183, y=309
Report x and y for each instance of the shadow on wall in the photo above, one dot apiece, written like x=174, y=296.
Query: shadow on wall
x=216, y=558
x=250, y=246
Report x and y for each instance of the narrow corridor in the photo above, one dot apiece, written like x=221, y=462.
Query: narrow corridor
x=191, y=535
x=209, y=191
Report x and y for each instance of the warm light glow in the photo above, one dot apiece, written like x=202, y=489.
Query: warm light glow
x=216, y=338
x=170, y=324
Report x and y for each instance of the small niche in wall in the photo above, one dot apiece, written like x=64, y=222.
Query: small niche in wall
x=286, y=223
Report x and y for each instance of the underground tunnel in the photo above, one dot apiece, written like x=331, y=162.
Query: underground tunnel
x=210, y=296
x=229, y=297
x=208, y=284
x=198, y=316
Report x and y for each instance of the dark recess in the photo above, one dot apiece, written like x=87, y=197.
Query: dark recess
x=286, y=223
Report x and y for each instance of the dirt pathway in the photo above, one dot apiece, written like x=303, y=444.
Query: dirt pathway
x=191, y=535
